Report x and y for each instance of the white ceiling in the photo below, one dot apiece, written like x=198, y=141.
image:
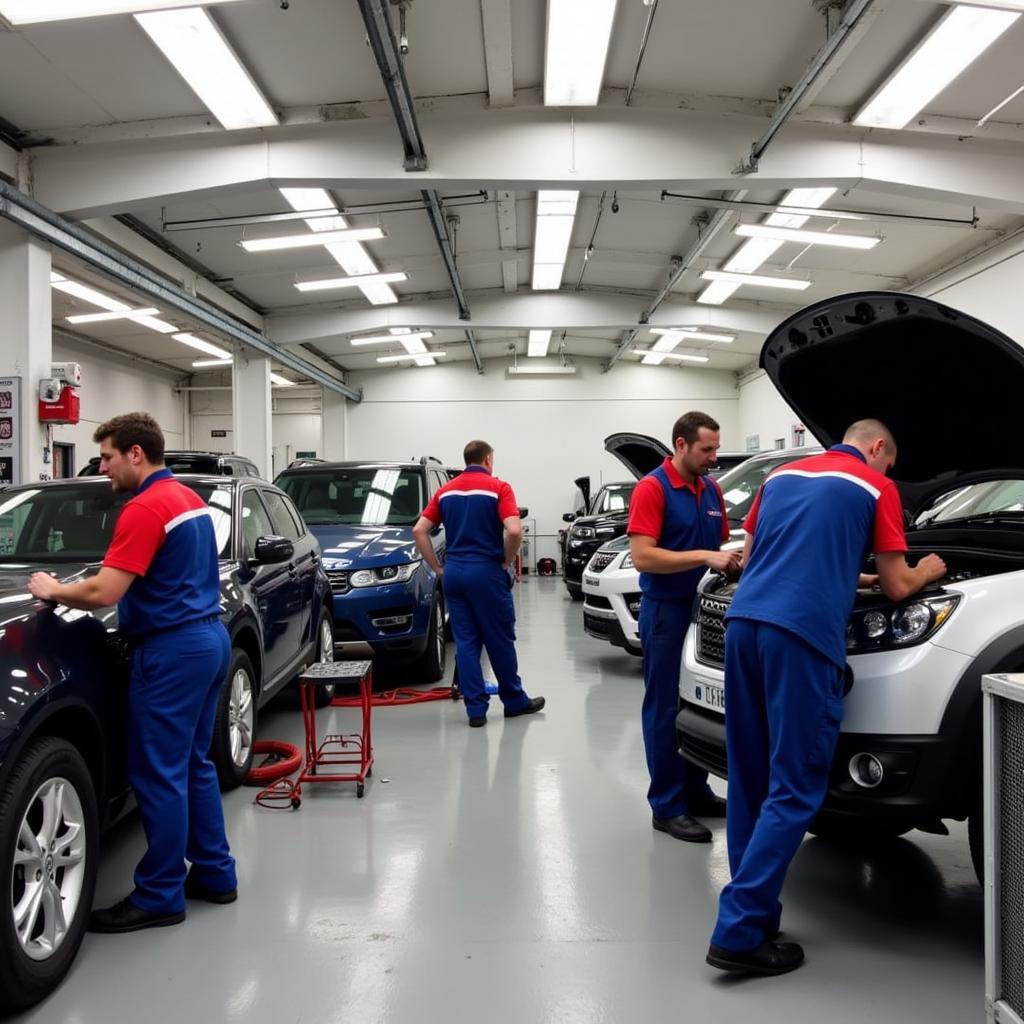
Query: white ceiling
x=71, y=87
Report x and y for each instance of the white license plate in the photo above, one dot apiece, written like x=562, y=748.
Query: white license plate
x=707, y=695
x=592, y=581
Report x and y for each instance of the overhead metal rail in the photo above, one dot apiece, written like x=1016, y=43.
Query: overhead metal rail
x=389, y=62
x=19, y=209
x=854, y=12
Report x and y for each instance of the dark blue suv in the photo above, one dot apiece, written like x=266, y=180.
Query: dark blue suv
x=362, y=513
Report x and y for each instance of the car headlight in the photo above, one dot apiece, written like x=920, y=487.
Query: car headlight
x=583, y=533
x=383, y=574
x=889, y=628
x=627, y=562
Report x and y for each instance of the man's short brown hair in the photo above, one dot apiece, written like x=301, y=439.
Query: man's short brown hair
x=133, y=428
x=475, y=452
x=689, y=425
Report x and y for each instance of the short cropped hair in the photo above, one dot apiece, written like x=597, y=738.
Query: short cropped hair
x=689, y=425
x=475, y=452
x=134, y=428
x=866, y=431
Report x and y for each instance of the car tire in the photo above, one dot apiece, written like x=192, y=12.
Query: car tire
x=976, y=836
x=857, y=832
x=36, y=946
x=435, y=657
x=234, y=731
x=575, y=594
x=323, y=695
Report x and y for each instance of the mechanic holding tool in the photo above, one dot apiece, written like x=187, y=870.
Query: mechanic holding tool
x=161, y=570
x=677, y=523
x=482, y=535
x=808, y=532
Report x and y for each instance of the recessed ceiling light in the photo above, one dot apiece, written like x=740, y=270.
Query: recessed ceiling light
x=350, y=282
x=307, y=241
x=202, y=346
x=806, y=237
x=96, y=318
x=790, y=283
x=576, y=49
x=538, y=342
x=27, y=12
x=961, y=35
x=190, y=39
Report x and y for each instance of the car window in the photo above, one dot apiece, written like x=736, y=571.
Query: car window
x=286, y=523
x=993, y=496
x=360, y=495
x=437, y=481
x=255, y=521
x=612, y=498
x=739, y=485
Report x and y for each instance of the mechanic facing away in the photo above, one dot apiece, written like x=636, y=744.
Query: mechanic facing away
x=809, y=531
x=161, y=570
x=677, y=523
x=483, y=534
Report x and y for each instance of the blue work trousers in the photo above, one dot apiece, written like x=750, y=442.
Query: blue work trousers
x=483, y=617
x=674, y=781
x=172, y=704
x=783, y=707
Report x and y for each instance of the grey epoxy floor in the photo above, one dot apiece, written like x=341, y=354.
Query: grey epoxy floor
x=510, y=874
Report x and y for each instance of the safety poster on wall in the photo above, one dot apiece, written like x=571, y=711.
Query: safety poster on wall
x=10, y=441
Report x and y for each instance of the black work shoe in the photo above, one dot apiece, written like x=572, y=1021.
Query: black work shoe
x=195, y=890
x=709, y=806
x=769, y=958
x=124, y=916
x=476, y=721
x=683, y=827
x=536, y=703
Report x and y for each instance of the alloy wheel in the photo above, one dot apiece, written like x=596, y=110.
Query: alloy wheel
x=241, y=717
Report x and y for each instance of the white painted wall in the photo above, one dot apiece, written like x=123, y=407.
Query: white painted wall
x=545, y=431
x=114, y=384
x=762, y=411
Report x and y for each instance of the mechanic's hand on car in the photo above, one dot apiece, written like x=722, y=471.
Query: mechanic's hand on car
x=723, y=561
x=43, y=585
x=933, y=567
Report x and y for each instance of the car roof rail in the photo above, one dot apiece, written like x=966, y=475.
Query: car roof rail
x=424, y=459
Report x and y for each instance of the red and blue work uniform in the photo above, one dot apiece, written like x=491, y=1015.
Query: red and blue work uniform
x=477, y=587
x=813, y=523
x=171, y=615
x=680, y=516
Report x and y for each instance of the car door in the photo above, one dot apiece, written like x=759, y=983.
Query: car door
x=437, y=479
x=288, y=523
x=273, y=588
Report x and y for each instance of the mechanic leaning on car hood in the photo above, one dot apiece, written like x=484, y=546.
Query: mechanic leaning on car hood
x=785, y=657
x=677, y=523
x=161, y=570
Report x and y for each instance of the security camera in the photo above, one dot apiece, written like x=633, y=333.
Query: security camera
x=615, y=205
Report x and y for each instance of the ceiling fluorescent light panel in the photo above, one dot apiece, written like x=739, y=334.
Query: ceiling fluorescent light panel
x=961, y=35
x=190, y=39
x=28, y=12
x=576, y=49
x=202, y=346
x=805, y=237
x=387, y=339
x=540, y=370
x=201, y=364
x=308, y=241
x=717, y=292
x=556, y=214
x=349, y=282
x=537, y=344
x=788, y=283
x=277, y=381
x=98, y=318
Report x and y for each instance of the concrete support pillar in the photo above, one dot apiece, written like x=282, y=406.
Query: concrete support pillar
x=250, y=410
x=26, y=349
x=332, y=426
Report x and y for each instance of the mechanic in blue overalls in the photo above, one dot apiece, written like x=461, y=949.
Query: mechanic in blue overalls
x=482, y=536
x=161, y=570
x=677, y=523
x=808, y=532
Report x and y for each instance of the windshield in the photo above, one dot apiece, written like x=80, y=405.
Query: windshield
x=612, y=498
x=74, y=523
x=739, y=485
x=1006, y=496
x=357, y=495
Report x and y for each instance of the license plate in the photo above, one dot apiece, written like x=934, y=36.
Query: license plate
x=592, y=581
x=709, y=696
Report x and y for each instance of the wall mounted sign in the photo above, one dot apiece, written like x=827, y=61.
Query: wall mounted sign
x=10, y=433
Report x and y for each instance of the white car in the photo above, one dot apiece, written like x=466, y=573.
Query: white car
x=909, y=754
x=611, y=585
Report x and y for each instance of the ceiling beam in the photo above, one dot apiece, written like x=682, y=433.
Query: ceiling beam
x=644, y=150
x=497, y=24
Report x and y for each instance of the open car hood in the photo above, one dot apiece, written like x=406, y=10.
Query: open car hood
x=934, y=375
x=639, y=453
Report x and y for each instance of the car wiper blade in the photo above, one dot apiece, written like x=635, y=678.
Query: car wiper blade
x=1013, y=515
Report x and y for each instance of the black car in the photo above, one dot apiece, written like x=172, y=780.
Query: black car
x=63, y=682
x=207, y=463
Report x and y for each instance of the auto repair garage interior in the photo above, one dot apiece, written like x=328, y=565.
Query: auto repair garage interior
x=372, y=230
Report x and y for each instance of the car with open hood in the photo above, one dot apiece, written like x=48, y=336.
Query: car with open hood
x=611, y=584
x=909, y=753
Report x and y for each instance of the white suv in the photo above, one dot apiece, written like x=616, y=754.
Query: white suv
x=909, y=754
x=611, y=585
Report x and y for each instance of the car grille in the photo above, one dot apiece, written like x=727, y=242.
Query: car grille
x=339, y=581
x=601, y=561
x=595, y=626
x=633, y=604
x=595, y=601
x=711, y=631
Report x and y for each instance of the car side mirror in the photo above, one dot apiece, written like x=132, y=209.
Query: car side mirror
x=568, y=517
x=273, y=550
